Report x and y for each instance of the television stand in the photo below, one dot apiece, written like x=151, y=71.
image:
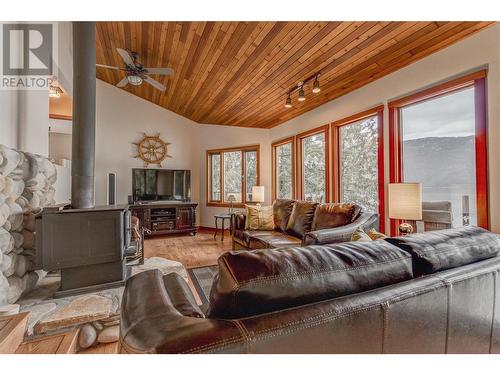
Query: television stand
x=166, y=217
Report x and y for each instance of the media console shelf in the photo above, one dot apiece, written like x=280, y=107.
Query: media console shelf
x=166, y=217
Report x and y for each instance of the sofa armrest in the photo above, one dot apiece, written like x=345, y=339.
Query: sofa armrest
x=152, y=319
x=238, y=221
x=366, y=221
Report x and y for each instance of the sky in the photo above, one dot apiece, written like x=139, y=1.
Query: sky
x=450, y=115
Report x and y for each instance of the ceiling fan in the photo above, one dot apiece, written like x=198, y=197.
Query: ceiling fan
x=136, y=73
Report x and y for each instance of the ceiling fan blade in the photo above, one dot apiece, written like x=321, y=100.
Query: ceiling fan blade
x=162, y=71
x=108, y=67
x=154, y=83
x=125, y=56
x=122, y=83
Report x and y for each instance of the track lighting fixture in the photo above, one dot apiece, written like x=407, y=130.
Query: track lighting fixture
x=302, y=96
x=316, y=87
x=300, y=88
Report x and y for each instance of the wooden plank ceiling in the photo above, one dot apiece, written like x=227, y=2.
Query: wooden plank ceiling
x=238, y=73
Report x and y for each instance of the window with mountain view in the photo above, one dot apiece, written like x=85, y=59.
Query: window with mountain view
x=283, y=160
x=439, y=151
x=232, y=173
x=314, y=165
x=358, y=167
x=442, y=145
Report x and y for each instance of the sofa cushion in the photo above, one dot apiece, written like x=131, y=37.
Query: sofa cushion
x=282, y=209
x=301, y=219
x=260, y=281
x=259, y=217
x=243, y=236
x=273, y=240
x=449, y=248
x=332, y=215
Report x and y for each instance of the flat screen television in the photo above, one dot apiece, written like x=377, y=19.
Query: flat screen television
x=161, y=185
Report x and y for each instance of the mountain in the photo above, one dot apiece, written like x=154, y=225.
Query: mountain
x=440, y=161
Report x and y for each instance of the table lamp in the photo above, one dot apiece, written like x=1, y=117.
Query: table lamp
x=405, y=203
x=231, y=199
x=258, y=194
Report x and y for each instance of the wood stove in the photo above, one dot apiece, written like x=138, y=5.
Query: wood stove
x=90, y=246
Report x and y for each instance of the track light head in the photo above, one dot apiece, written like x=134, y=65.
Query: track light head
x=288, y=103
x=302, y=96
x=316, y=87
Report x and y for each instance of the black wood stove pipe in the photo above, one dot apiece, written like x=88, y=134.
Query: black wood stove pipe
x=84, y=93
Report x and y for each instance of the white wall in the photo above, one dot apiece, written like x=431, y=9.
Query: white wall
x=120, y=120
x=217, y=136
x=24, y=117
x=473, y=52
x=9, y=118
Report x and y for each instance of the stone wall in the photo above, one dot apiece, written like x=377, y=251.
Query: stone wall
x=26, y=186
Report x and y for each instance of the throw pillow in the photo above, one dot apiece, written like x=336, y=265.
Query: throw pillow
x=333, y=215
x=301, y=219
x=359, y=235
x=282, y=210
x=374, y=235
x=259, y=218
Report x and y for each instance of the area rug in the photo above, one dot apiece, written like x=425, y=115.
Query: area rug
x=202, y=278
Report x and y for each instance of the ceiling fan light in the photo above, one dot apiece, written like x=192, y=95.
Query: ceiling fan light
x=302, y=96
x=134, y=80
x=288, y=103
x=316, y=87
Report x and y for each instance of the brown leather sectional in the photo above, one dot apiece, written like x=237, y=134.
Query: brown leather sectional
x=299, y=223
x=436, y=292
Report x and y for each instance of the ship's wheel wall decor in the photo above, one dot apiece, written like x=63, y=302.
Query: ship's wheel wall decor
x=151, y=149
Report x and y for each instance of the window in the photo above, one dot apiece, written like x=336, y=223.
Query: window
x=215, y=177
x=359, y=160
x=438, y=138
x=283, y=169
x=231, y=175
x=313, y=165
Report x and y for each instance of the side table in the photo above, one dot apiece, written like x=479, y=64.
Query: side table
x=223, y=218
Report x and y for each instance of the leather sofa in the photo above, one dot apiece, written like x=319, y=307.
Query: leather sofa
x=436, y=292
x=300, y=223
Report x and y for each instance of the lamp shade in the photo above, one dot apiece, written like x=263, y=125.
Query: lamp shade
x=405, y=201
x=258, y=194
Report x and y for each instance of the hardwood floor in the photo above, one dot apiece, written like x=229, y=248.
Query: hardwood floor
x=192, y=251
x=62, y=343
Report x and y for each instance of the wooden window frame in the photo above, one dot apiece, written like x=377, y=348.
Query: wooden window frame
x=208, y=188
x=336, y=126
x=478, y=81
x=299, y=138
x=274, y=147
